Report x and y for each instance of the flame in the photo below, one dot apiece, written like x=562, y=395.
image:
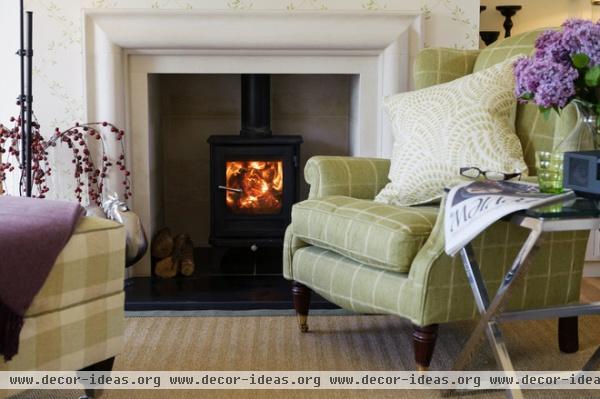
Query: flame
x=261, y=183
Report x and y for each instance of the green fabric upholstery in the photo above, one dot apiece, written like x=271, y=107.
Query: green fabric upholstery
x=553, y=278
x=434, y=288
x=435, y=66
x=437, y=291
x=383, y=236
x=353, y=177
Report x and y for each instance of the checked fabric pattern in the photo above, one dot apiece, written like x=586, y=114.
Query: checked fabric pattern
x=90, y=266
x=77, y=319
x=437, y=65
x=379, y=235
x=435, y=289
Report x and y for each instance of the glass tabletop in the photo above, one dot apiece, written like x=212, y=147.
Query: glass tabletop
x=572, y=208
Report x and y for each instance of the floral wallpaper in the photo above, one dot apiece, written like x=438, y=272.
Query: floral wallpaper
x=58, y=72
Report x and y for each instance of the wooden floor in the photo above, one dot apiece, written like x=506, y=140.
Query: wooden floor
x=590, y=289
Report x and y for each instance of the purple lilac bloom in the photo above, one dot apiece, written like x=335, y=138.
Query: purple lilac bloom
x=523, y=84
x=549, y=46
x=549, y=76
x=577, y=36
x=551, y=83
x=581, y=36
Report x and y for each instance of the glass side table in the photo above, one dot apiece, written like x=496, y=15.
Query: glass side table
x=570, y=215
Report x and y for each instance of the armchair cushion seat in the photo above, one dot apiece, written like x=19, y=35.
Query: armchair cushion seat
x=382, y=236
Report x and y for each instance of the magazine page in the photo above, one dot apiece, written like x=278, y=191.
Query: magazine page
x=472, y=207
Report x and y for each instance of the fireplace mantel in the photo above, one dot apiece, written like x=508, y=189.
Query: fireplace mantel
x=123, y=47
x=252, y=30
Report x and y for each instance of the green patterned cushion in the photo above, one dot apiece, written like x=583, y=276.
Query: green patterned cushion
x=435, y=66
x=383, y=236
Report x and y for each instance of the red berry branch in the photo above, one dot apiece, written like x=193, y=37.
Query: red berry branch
x=88, y=176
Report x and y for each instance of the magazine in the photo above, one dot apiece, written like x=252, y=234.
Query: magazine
x=472, y=207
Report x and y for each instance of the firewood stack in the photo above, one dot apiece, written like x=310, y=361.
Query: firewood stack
x=174, y=255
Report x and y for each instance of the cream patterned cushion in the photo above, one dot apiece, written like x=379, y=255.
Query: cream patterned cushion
x=466, y=122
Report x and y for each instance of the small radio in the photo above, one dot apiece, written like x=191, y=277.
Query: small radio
x=582, y=172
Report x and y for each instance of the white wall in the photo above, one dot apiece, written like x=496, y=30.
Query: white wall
x=535, y=14
x=58, y=51
x=9, y=68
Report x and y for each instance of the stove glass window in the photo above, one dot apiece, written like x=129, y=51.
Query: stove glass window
x=254, y=187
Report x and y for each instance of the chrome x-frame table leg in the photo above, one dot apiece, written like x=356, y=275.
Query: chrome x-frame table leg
x=490, y=310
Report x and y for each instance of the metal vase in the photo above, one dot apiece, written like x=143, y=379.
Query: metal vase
x=137, y=243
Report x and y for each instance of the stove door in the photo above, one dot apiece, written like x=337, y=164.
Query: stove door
x=253, y=188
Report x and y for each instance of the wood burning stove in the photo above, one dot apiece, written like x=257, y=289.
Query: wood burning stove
x=254, y=175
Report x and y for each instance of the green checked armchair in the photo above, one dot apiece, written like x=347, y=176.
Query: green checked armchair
x=377, y=258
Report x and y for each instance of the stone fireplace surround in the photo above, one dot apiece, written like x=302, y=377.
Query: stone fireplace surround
x=123, y=47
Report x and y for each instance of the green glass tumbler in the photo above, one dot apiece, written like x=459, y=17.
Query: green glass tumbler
x=550, y=171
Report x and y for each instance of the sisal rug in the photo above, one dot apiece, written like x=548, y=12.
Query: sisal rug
x=334, y=343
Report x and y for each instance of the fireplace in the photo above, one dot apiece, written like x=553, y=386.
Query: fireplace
x=161, y=72
x=125, y=50
x=254, y=175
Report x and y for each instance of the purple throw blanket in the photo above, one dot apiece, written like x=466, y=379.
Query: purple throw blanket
x=32, y=234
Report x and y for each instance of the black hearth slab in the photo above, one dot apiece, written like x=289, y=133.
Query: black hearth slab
x=236, y=139
x=213, y=293
x=237, y=261
x=246, y=242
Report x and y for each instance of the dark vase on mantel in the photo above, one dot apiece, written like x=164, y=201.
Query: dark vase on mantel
x=489, y=36
x=508, y=12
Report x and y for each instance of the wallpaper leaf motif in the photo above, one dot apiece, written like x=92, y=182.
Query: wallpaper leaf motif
x=307, y=4
x=180, y=4
x=69, y=28
x=374, y=5
x=239, y=5
x=103, y=4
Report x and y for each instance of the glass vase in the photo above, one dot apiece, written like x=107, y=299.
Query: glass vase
x=581, y=124
x=585, y=134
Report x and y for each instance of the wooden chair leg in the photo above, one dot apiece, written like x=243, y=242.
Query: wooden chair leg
x=301, y=295
x=104, y=365
x=424, y=342
x=568, y=334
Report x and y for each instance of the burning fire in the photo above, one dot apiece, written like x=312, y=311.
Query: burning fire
x=261, y=185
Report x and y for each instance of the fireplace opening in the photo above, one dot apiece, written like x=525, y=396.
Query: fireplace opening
x=209, y=162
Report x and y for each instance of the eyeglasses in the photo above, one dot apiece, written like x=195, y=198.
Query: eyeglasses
x=473, y=172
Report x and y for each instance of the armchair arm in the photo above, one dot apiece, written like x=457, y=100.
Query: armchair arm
x=350, y=176
x=440, y=287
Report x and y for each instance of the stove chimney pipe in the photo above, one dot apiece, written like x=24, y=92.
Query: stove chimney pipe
x=256, y=105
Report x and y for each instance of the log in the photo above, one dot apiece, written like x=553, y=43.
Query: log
x=166, y=268
x=183, y=253
x=162, y=243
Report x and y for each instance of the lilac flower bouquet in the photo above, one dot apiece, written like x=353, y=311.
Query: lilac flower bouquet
x=565, y=68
